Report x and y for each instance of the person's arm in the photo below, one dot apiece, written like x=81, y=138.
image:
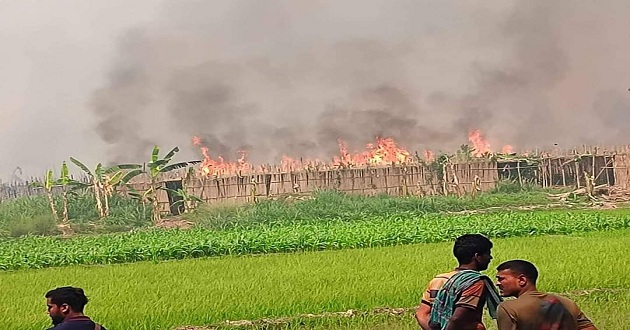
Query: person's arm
x=423, y=313
x=463, y=318
x=504, y=320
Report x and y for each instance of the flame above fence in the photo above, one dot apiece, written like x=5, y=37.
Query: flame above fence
x=384, y=151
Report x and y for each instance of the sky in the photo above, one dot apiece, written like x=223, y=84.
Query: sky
x=104, y=81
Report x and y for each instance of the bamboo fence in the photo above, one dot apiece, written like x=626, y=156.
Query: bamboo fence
x=568, y=168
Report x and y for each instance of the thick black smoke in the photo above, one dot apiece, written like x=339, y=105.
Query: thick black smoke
x=290, y=78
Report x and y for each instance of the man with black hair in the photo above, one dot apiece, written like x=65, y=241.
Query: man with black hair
x=532, y=309
x=65, y=308
x=455, y=300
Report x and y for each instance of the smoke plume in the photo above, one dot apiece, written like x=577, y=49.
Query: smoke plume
x=292, y=77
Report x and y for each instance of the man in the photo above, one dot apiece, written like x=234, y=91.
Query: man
x=65, y=308
x=455, y=300
x=532, y=309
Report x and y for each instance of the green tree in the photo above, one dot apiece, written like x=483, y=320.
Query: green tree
x=154, y=169
x=103, y=181
x=48, y=185
x=67, y=185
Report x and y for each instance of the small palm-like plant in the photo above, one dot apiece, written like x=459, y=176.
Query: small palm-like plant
x=154, y=169
x=103, y=181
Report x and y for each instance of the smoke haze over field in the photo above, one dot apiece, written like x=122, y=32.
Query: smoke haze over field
x=290, y=77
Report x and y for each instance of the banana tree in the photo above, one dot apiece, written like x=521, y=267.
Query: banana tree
x=143, y=197
x=48, y=185
x=154, y=169
x=103, y=181
x=188, y=201
x=108, y=186
x=64, y=181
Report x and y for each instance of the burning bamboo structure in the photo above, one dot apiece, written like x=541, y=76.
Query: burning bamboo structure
x=401, y=175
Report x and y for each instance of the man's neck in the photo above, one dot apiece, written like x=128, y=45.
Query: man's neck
x=529, y=288
x=467, y=267
x=73, y=315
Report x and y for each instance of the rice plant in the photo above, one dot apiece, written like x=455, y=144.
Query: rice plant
x=166, y=295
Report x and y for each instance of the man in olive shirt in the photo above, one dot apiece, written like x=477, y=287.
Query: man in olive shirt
x=532, y=309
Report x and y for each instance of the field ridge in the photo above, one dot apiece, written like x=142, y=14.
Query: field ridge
x=350, y=313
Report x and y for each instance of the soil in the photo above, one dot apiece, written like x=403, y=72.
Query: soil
x=174, y=223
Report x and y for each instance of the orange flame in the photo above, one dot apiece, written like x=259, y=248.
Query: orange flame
x=211, y=166
x=481, y=145
x=384, y=152
x=479, y=142
x=507, y=149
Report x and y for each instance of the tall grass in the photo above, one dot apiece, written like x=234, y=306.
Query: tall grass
x=32, y=215
x=164, y=295
x=338, y=206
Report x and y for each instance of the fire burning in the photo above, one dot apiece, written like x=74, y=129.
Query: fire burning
x=211, y=166
x=385, y=151
x=481, y=146
x=479, y=143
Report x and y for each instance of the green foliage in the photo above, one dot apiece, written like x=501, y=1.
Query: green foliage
x=186, y=198
x=330, y=205
x=465, y=152
x=158, y=165
x=48, y=180
x=154, y=168
x=273, y=237
x=26, y=214
x=38, y=225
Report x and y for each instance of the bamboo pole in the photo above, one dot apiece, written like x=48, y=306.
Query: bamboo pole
x=593, y=166
x=551, y=183
x=564, y=179
x=543, y=170
x=518, y=170
x=577, y=174
x=444, y=182
x=606, y=167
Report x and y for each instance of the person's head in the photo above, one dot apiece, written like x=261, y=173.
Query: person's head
x=65, y=301
x=515, y=277
x=473, y=250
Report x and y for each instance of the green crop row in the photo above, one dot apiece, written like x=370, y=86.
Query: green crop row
x=404, y=228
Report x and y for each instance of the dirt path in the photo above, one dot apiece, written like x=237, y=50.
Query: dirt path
x=353, y=313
